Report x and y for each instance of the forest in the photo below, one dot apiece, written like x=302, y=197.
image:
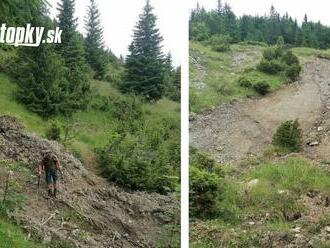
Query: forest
x=204, y=24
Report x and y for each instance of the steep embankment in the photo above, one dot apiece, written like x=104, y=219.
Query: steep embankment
x=89, y=211
x=232, y=131
x=271, y=200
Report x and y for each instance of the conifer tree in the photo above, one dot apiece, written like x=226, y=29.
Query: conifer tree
x=145, y=63
x=73, y=53
x=43, y=88
x=94, y=44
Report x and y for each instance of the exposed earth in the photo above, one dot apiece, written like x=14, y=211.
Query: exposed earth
x=89, y=211
x=232, y=131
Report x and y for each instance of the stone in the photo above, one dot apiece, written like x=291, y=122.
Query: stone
x=253, y=183
x=296, y=229
x=327, y=229
x=313, y=143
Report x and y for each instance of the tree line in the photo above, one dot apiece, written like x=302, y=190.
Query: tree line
x=223, y=21
x=55, y=79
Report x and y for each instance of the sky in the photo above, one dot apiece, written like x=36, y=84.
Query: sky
x=316, y=10
x=119, y=17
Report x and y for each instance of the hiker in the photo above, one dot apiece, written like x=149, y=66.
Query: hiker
x=50, y=164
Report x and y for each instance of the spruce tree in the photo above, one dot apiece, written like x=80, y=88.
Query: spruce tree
x=43, y=88
x=145, y=63
x=94, y=44
x=73, y=53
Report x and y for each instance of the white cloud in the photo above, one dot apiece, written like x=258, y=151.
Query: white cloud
x=316, y=10
x=119, y=18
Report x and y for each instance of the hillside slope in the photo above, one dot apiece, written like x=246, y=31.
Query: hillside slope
x=89, y=211
x=265, y=198
x=254, y=121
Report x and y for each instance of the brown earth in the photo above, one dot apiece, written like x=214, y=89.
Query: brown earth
x=236, y=131
x=89, y=211
x=232, y=131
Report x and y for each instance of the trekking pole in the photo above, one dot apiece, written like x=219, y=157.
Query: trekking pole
x=38, y=184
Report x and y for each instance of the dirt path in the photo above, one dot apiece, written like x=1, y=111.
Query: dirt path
x=232, y=131
x=89, y=211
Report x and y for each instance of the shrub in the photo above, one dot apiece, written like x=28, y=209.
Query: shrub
x=12, y=198
x=262, y=88
x=204, y=192
x=292, y=72
x=288, y=135
x=220, y=43
x=290, y=59
x=272, y=53
x=270, y=66
x=204, y=162
x=53, y=132
x=127, y=108
x=147, y=158
x=198, y=31
x=245, y=82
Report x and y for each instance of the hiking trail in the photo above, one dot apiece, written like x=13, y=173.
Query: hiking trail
x=89, y=211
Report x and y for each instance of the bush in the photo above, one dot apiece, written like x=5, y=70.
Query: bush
x=198, y=31
x=220, y=43
x=53, y=132
x=204, y=162
x=292, y=72
x=290, y=59
x=272, y=53
x=204, y=192
x=270, y=66
x=147, y=158
x=262, y=88
x=288, y=135
x=245, y=82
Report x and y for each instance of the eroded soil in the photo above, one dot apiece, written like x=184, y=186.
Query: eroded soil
x=232, y=131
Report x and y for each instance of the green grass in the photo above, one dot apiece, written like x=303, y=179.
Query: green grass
x=222, y=73
x=11, y=236
x=296, y=175
x=92, y=128
x=276, y=193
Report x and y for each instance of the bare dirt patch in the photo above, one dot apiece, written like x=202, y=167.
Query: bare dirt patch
x=231, y=132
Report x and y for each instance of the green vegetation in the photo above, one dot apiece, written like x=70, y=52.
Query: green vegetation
x=271, y=189
x=94, y=44
x=256, y=201
x=296, y=175
x=289, y=136
x=261, y=87
x=278, y=60
x=12, y=236
x=220, y=43
x=215, y=77
x=270, y=29
x=146, y=65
